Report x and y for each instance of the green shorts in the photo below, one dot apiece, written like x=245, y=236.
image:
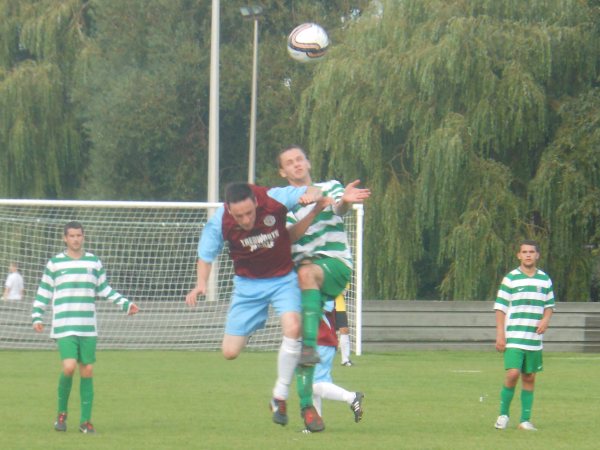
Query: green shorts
x=527, y=361
x=80, y=348
x=336, y=276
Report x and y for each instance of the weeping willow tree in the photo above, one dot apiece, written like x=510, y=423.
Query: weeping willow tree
x=40, y=139
x=566, y=190
x=140, y=76
x=463, y=118
x=143, y=83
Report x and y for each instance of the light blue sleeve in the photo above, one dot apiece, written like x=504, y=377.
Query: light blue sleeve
x=288, y=195
x=211, y=240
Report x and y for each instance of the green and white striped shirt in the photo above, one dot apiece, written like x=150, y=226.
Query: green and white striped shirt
x=72, y=286
x=523, y=299
x=326, y=235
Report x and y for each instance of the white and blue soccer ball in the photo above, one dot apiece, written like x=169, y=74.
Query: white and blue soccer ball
x=308, y=42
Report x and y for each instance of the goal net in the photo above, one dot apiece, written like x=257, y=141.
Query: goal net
x=149, y=252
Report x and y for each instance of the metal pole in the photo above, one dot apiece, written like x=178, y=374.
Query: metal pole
x=213, y=125
x=360, y=217
x=252, y=149
x=213, y=133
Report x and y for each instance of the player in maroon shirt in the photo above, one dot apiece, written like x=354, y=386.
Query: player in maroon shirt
x=253, y=223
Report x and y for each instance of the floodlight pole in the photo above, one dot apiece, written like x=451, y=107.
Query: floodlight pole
x=252, y=149
x=213, y=133
x=254, y=13
x=213, y=120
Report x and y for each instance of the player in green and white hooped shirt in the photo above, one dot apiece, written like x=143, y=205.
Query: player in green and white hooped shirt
x=71, y=282
x=524, y=305
x=320, y=250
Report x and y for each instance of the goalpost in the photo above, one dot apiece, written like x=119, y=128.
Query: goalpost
x=149, y=252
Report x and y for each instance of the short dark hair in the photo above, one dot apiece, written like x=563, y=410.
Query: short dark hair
x=238, y=192
x=72, y=225
x=530, y=242
x=288, y=148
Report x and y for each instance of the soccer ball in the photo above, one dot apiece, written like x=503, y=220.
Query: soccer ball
x=307, y=42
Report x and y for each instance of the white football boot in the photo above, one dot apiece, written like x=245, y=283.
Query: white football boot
x=501, y=422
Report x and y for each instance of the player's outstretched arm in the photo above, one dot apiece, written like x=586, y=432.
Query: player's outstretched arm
x=202, y=273
x=299, y=228
x=311, y=195
x=352, y=194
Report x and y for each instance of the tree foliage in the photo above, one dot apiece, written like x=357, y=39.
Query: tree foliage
x=474, y=122
x=144, y=85
x=451, y=112
x=566, y=191
x=139, y=84
x=40, y=140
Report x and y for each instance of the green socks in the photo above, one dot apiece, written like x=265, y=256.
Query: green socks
x=64, y=390
x=311, y=315
x=86, y=392
x=304, y=382
x=506, y=396
x=526, y=404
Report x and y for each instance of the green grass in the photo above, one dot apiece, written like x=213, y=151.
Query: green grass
x=187, y=400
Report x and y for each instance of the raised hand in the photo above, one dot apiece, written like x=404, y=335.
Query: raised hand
x=354, y=194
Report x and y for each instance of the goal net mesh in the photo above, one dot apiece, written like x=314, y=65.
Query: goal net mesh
x=149, y=252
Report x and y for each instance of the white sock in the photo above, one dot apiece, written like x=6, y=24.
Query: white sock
x=317, y=402
x=332, y=391
x=287, y=360
x=345, y=347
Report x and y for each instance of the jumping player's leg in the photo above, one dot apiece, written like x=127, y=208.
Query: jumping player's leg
x=310, y=278
x=232, y=345
x=319, y=279
x=287, y=360
x=285, y=299
x=286, y=302
x=289, y=352
x=248, y=312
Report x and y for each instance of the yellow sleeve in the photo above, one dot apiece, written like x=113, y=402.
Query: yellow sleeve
x=340, y=303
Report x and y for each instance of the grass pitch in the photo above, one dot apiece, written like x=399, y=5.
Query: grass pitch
x=197, y=400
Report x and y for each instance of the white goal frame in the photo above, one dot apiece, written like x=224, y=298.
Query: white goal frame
x=149, y=252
